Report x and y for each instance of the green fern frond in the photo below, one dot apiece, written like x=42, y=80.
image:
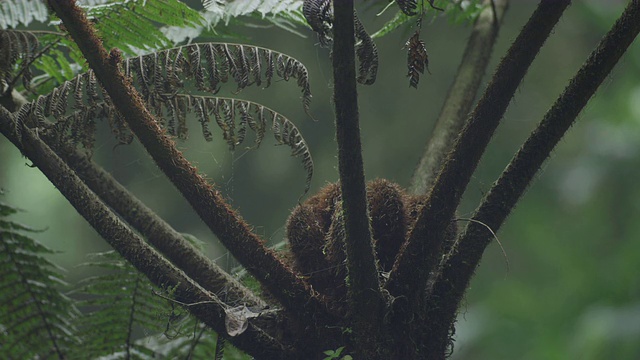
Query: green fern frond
x=209, y=65
x=35, y=317
x=466, y=13
x=120, y=304
x=50, y=53
x=132, y=25
x=456, y=11
x=22, y=12
x=286, y=14
x=233, y=116
x=397, y=21
x=290, y=22
x=287, y=9
x=417, y=59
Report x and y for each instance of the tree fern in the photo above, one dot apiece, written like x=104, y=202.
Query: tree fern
x=132, y=25
x=22, y=12
x=123, y=304
x=286, y=9
x=234, y=116
x=120, y=305
x=38, y=321
x=413, y=12
x=218, y=14
x=35, y=317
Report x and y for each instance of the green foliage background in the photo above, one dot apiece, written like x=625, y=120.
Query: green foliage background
x=571, y=289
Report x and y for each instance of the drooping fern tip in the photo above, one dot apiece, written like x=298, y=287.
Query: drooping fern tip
x=417, y=59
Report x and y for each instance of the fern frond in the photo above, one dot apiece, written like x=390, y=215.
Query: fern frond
x=236, y=8
x=17, y=50
x=132, y=25
x=233, y=116
x=286, y=14
x=218, y=15
x=160, y=77
x=120, y=303
x=456, y=11
x=197, y=343
x=58, y=58
x=417, y=59
x=35, y=317
x=22, y=12
x=398, y=20
x=319, y=15
x=409, y=6
x=367, y=54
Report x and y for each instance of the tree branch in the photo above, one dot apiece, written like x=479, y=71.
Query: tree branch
x=462, y=93
x=364, y=295
x=505, y=193
x=142, y=256
x=423, y=248
x=228, y=226
x=157, y=232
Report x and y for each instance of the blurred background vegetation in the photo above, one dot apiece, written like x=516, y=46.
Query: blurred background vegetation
x=571, y=288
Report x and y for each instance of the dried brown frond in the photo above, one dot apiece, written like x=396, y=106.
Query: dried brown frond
x=417, y=58
x=16, y=47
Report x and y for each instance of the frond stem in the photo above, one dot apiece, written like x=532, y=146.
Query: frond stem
x=38, y=304
x=364, y=294
x=512, y=183
x=422, y=250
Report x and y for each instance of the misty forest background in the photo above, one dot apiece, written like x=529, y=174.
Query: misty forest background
x=569, y=287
